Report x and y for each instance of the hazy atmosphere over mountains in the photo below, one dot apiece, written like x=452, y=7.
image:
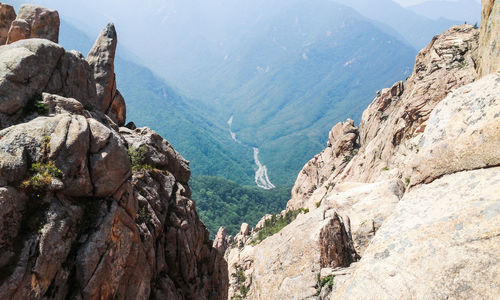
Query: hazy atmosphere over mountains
x=385, y=120
x=282, y=71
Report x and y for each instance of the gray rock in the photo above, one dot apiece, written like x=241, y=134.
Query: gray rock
x=25, y=69
x=101, y=58
x=74, y=78
x=462, y=133
x=158, y=152
x=37, y=22
x=109, y=161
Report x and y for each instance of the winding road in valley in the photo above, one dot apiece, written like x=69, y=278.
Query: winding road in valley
x=261, y=178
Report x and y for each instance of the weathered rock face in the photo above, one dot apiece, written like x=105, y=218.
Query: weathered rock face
x=90, y=210
x=342, y=144
x=34, y=22
x=28, y=61
x=277, y=270
x=7, y=15
x=222, y=240
x=101, y=58
x=118, y=111
x=441, y=242
x=287, y=264
x=336, y=246
x=65, y=73
x=415, y=190
x=462, y=133
x=399, y=114
x=489, y=57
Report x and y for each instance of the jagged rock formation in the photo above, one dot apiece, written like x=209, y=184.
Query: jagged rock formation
x=101, y=58
x=397, y=115
x=489, y=61
x=342, y=143
x=415, y=188
x=277, y=270
x=222, y=240
x=90, y=210
x=7, y=15
x=34, y=21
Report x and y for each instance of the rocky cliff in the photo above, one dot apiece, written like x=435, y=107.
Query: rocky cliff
x=406, y=205
x=89, y=209
x=490, y=38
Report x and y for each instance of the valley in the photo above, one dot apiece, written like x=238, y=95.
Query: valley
x=298, y=68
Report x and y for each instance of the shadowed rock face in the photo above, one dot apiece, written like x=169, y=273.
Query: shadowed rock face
x=7, y=15
x=91, y=210
x=336, y=246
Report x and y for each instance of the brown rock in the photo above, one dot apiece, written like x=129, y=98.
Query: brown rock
x=35, y=22
x=73, y=78
x=7, y=15
x=92, y=229
x=336, y=246
x=19, y=30
x=157, y=152
x=59, y=105
x=117, y=111
x=101, y=58
x=109, y=161
x=489, y=39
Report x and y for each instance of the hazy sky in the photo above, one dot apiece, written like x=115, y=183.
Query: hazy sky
x=411, y=2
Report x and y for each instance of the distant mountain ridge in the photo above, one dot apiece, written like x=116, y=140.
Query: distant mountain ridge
x=460, y=10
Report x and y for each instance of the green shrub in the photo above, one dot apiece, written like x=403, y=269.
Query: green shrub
x=322, y=282
x=385, y=168
x=241, y=288
x=276, y=223
x=35, y=105
x=43, y=173
x=137, y=158
x=144, y=216
x=351, y=155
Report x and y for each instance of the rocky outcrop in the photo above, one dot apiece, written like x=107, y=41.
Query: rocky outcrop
x=414, y=188
x=7, y=15
x=391, y=125
x=336, y=246
x=65, y=73
x=489, y=43
x=277, y=270
x=342, y=145
x=101, y=58
x=34, y=21
x=462, y=133
x=27, y=67
x=442, y=242
x=222, y=240
x=287, y=264
x=90, y=210
x=398, y=115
